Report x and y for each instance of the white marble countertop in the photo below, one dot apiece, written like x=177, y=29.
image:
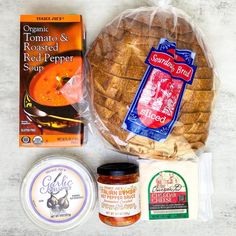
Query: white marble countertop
x=217, y=18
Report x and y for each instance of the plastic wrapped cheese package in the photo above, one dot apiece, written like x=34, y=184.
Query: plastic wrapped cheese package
x=176, y=189
x=152, y=83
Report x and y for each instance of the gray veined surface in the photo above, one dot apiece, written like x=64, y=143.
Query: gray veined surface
x=218, y=21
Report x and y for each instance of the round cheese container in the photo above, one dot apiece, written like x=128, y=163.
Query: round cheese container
x=58, y=193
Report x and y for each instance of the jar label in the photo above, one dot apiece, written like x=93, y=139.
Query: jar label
x=167, y=196
x=57, y=194
x=119, y=200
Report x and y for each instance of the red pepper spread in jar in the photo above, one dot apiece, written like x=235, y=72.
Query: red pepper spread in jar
x=118, y=193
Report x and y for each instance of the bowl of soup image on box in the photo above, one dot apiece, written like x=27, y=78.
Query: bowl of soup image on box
x=52, y=96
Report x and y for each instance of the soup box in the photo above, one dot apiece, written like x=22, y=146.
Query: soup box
x=52, y=101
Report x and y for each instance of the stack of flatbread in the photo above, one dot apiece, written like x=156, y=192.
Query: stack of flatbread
x=116, y=67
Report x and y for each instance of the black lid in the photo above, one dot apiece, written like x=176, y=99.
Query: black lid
x=117, y=169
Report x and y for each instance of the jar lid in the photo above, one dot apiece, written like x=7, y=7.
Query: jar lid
x=117, y=169
x=58, y=193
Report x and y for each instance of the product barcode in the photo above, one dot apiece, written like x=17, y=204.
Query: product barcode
x=181, y=198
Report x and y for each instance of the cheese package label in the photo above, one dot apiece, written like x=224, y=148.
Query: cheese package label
x=169, y=190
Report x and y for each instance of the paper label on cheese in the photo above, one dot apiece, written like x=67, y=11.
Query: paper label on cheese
x=168, y=196
x=156, y=105
x=169, y=189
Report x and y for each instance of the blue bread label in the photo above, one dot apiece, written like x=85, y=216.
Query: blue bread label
x=156, y=104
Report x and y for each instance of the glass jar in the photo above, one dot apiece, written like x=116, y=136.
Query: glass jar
x=118, y=194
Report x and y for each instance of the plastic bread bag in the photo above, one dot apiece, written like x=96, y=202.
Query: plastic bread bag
x=169, y=191
x=74, y=89
x=152, y=83
x=75, y=92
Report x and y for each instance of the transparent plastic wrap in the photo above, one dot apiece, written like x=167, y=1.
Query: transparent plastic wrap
x=170, y=191
x=119, y=70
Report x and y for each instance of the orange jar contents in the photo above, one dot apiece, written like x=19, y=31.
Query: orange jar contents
x=118, y=193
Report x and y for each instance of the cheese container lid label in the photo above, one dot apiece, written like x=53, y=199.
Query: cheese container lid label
x=58, y=194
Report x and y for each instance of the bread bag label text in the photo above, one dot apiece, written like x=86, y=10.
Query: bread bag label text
x=156, y=104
